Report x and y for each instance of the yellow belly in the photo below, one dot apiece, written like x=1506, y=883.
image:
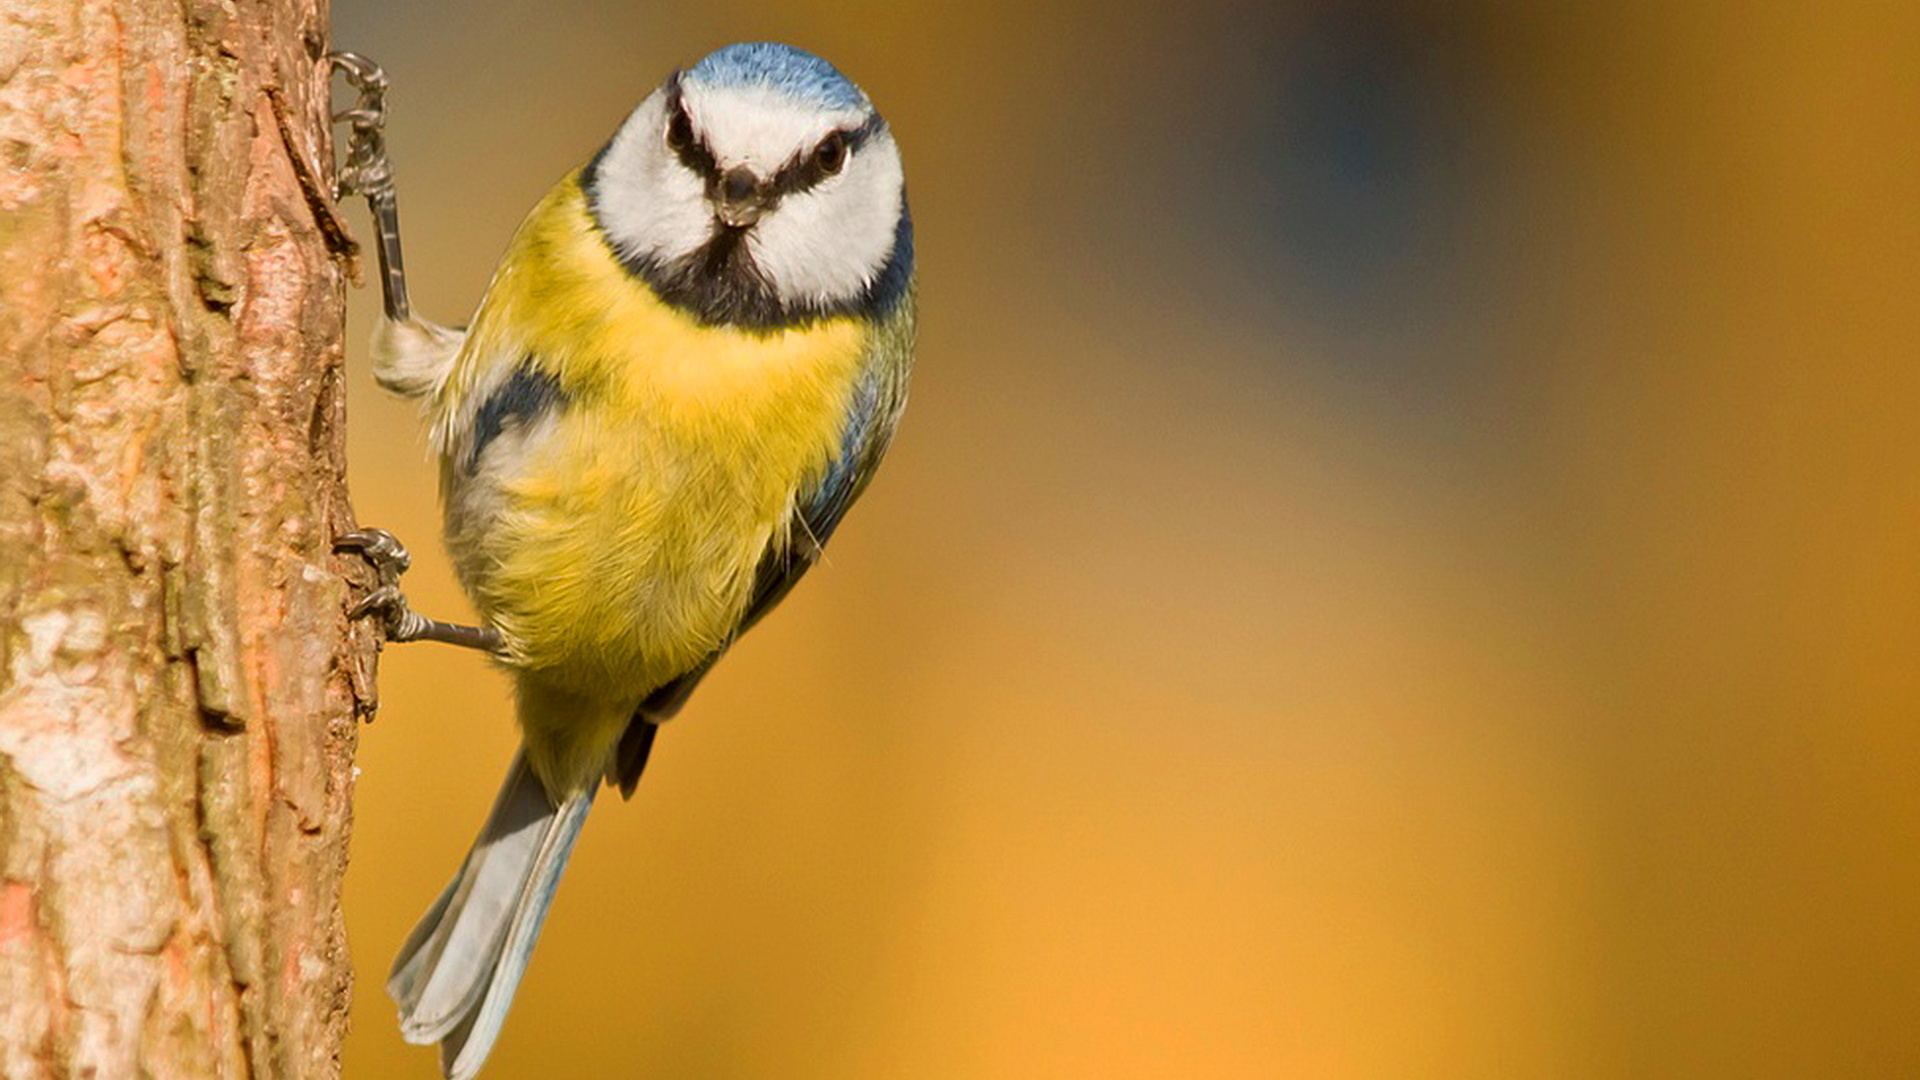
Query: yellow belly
x=624, y=543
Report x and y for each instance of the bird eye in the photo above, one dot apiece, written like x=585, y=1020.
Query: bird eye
x=680, y=130
x=831, y=154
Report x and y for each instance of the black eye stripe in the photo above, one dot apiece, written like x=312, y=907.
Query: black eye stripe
x=693, y=153
x=799, y=173
x=804, y=170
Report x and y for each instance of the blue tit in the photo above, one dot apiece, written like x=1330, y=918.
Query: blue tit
x=687, y=366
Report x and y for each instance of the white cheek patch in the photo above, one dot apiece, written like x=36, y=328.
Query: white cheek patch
x=650, y=204
x=830, y=243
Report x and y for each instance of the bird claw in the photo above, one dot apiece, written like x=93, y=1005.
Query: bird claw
x=382, y=600
x=382, y=549
x=367, y=170
x=361, y=71
x=389, y=559
x=398, y=621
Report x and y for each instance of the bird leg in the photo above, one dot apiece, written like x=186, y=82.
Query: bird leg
x=401, y=623
x=369, y=172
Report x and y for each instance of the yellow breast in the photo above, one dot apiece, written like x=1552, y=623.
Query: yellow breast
x=626, y=539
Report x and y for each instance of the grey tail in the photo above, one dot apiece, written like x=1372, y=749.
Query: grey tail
x=455, y=976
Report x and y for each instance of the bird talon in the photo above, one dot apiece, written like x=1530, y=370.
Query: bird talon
x=399, y=623
x=381, y=600
x=360, y=70
x=379, y=547
x=367, y=170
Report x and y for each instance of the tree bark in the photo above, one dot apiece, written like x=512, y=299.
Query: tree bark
x=179, y=684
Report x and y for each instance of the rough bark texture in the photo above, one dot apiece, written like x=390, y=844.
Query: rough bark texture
x=179, y=686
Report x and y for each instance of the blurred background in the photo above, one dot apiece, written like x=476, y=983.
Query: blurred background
x=1404, y=559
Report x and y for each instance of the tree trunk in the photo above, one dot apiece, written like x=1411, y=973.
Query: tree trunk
x=179, y=685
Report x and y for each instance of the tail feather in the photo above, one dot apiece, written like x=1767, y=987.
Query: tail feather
x=457, y=972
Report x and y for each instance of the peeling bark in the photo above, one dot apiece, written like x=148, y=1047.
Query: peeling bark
x=179, y=685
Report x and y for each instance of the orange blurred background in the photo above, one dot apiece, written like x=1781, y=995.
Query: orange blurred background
x=1404, y=559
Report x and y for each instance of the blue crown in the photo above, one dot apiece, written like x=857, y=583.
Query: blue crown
x=796, y=73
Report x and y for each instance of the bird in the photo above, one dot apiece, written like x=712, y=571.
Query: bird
x=686, y=367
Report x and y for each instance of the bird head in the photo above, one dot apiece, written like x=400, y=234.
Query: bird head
x=757, y=186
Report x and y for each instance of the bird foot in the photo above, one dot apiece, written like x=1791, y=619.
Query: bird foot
x=398, y=620
x=367, y=170
x=389, y=559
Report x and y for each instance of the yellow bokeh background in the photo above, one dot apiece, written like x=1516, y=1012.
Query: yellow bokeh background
x=1403, y=560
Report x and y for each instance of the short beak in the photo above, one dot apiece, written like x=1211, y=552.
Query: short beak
x=739, y=198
